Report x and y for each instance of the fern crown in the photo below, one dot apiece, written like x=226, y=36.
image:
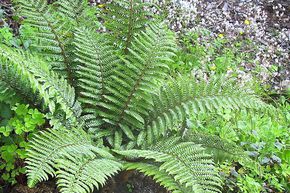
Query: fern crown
x=111, y=105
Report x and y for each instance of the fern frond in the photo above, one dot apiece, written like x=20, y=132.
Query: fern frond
x=130, y=88
x=96, y=62
x=220, y=149
x=186, y=162
x=54, y=90
x=50, y=39
x=160, y=177
x=124, y=19
x=185, y=96
x=81, y=174
x=49, y=146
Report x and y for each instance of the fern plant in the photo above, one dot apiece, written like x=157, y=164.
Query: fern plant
x=112, y=107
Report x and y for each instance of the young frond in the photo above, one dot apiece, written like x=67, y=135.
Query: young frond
x=53, y=89
x=49, y=37
x=49, y=146
x=129, y=91
x=81, y=174
x=124, y=19
x=186, y=162
x=185, y=96
x=96, y=62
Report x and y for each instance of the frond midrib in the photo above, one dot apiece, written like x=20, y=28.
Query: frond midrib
x=137, y=84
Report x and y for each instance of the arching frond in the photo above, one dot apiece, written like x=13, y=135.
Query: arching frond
x=185, y=96
x=50, y=38
x=186, y=162
x=130, y=87
x=49, y=146
x=96, y=62
x=54, y=90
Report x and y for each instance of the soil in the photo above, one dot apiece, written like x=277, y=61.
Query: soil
x=47, y=187
x=129, y=182
x=132, y=182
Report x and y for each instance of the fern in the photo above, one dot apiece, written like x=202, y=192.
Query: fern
x=119, y=98
x=76, y=13
x=10, y=84
x=47, y=147
x=186, y=162
x=184, y=96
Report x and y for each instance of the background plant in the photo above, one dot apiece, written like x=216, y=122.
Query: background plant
x=264, y=138
x=18, y=124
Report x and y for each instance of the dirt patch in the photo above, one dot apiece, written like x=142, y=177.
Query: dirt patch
x=126, y=182
x=132, y=182
x=46, y=187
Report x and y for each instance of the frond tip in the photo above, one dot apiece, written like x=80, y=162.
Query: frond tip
x=81, y=174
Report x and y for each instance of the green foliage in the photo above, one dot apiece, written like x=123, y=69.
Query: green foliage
x=94, y=70
x=264, y=138
x=22, y=40
x=185, y=162
x=49, y=37
x=124, y=19
x=110, y=100
x=70, y=155
x=129, y=96
x=45, y=82
x=16, y=128
x=199, y=50
x=6, y=35
x=183, y=96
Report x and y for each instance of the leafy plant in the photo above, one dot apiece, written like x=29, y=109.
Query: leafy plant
x=200, y=51
x=264, y=138
x=110, y=102
x=14, y=133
